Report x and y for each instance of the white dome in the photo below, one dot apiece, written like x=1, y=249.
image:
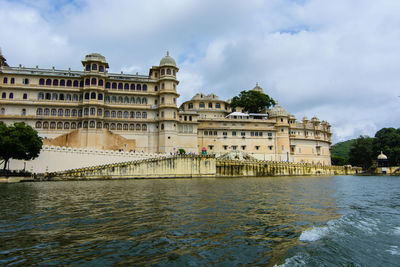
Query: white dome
x=382, y=156
x=167, y=61
x=277, y=111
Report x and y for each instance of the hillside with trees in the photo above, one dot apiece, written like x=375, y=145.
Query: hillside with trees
x=340, y=152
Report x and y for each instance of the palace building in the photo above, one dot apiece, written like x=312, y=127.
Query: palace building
x=129, y=112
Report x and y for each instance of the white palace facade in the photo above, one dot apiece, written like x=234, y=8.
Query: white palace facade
x=93, y=108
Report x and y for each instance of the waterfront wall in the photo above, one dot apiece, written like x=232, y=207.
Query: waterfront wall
x=56, y=158
x=199, y=166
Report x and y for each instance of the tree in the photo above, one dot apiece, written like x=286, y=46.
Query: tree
x=18, y=141
x=181, y=151
x=387, y=140
x=252, y=101
x=361, y=153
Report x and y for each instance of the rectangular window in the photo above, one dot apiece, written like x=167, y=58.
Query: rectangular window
x=257, y=147
x=243, y=147
x=233, y=133
x=251, y=133
x=225, y=133
x=234, y=147
x=215, y=133
x=205, y=132
x=225, y=147
x=260, y=133
x=243, y=133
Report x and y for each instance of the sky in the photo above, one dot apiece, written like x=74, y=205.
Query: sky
x=337, y=60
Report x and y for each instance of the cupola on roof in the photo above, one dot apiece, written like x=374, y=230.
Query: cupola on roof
x=258, y=88
x=382, y=156
x=95, y=57
x=277, y=111
x=167, y=61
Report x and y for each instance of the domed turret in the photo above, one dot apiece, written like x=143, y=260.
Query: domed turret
x=167, y=61
x=257, y=88
x=96, y=57
x=382, y=156
x=277, y=111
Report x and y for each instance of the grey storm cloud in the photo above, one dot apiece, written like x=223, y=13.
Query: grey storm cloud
x=337, y=60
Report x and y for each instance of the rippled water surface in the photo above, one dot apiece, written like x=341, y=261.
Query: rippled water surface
x=289, y=221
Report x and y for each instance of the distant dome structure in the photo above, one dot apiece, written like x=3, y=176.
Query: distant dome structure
x=95, y=57
x=257, y=88
x=382, y=156
x=277, y=111
x=167, y=61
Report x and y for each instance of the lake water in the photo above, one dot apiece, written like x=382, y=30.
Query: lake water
x=285, y=221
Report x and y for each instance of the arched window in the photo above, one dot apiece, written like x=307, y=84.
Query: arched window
x=59, y=125
x=87, y=82
x=55, y=82
x=76, y=83
x=107, y=99
x=12, y=81
x=113, y=99
x=69, y=83
x=93, y=95
x=48, y=82
x=217, y=105
x=201, y=105
x=74, y=113
x=119, y=126
x=101, y=82
x=99, y=112
x=112, y=126
x=132, y=100
x=210, y=105
x=162, y=126
x=87, y=67
x=68, y=97
x=144, y=115
x=53, y=112
x=137, y=127
x=39, y=111
x=108, y=85
x=99, y=126
x=86, y=111
x=106, y=113
x=60, y=113
x=41, y=82
x=80, y=85
x=92, y=124
x=79, y=125
x=66, y=125
x=132, y=127
x=94, y=67
x=125, y=126
x=101, y=68
x=3, y=111
x=11, y=96
x=120, y=85
x=162, y=71
x=156, y=88
x=138, y=115
x=126, y=86
x=25, y=96
x=73, y=125
x=100, y=97
x=54, y=96
x=120, y=99
x=61, y=96
x=144, y=87
x=48, y=96
x=132, y=114
x=114, y=85
x=41, y=95
x=126, y=99
x=138, y=100
x=46, y=112
x=144, y=100
x=45, y=125
x=106, y=126
x=132, y=86
x=126, y=114
x=169, y=71
x=144, y=127
x=162, y=86
x=94, y=81
x=62, y=82
x=23, y=112
x=38, y=124
x=4, y=95
x=92, y=111
x=52, y=125
x=85, y=124
x=5, y=80
x=138, y=87
x=75, y=97
x=86, y=95
x=119, y=114
x=174, y=72
x=67, y=113
x=113, y=114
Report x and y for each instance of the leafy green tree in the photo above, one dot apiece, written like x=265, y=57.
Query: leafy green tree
x=181, y=151
x=387, y=140
x=252, y=101
x=361, y=152
x=18, y=141
x=339, y=161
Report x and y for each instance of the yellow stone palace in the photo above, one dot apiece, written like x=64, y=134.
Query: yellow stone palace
x=92, y=108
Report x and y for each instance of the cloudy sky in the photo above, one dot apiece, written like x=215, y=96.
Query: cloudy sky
x=338, y=60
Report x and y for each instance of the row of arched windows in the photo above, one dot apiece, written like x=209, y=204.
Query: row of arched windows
x=125, y=114
x=168, y=71
x=59, y=96
x=94, y=82
x=12, y=80
x=126, y=99
x=93, y=67
x=89, y=124
x=90, y=112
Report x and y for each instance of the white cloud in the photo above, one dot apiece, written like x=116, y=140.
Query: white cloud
x=337, y=60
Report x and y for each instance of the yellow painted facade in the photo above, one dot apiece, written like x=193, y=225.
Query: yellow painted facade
x=139, y=113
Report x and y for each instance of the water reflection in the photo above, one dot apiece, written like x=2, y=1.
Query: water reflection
x=184, y=221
